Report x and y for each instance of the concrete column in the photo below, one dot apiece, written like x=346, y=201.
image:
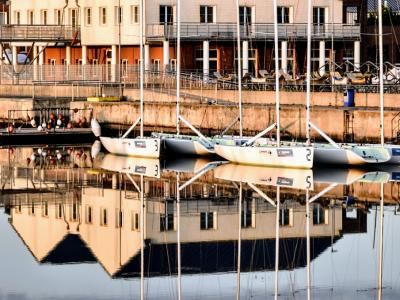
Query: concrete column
x=284, y=56
x=35, y=62
x=165, y=54
x=357, y=60
x=147, y=65
x=14, y=55
x=68, y=55
x=206, y=58
x=114, y=63
x=321, y=64
x=84, y=55
x=245, y=57
x=41, y=56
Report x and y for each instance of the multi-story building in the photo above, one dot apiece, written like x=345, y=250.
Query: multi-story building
x=107, y=32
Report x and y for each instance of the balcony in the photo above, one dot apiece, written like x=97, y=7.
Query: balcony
x=259, y=31
x=39, y=33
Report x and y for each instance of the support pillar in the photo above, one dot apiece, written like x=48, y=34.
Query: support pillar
x=35, y=62
x=14, y=56
x=245, y=57
x=41, y=62
x=357, y=61
x=206, y=58
x=165, y=54
x=284, y=56
x=113, y=63
x=147, y=65
x=68, y=55
x=321, y=65
x=84, y=55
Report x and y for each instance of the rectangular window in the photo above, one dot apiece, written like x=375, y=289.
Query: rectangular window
x=285, y=215
x=103, y=15
x=134, y=14
x=318, y=15
x=319, y=215
x=88, y=16
x=45, y=209
x=206, y=14
x=283, y=15
x=207, y=220
x=32, y=209
x=245, y=15
x=74, y=17
x=166, y=222
x=57, y=17
x=118, y=15
x=103, y=217
x=118, y=218
x=135, y=220
x=3, y=18
x=59, y=211
x=166, y=14
x=31, y=17
x=351, y=15
x=43, y=17
x=17, y=17
x=89, y=214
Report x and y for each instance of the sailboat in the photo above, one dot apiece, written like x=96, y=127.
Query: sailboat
x=353, y=154
x=140, y=146
x=257, y=151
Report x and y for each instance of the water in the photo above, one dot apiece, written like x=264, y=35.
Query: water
x=70, y=228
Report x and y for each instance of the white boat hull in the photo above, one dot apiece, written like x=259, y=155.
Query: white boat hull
x=186, y=145
x=140, y=147
x=149, y=167
x=268, y=155
x=394, y=151
x=350, y=154
x=267, y=176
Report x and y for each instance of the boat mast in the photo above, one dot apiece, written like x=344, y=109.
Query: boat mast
x=308, y=73
x=141, y=65
x=239, y=72
x=381, y=100
x=178, y=65
x=277, y=96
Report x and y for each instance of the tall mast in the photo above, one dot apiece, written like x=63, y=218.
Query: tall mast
x=381, y=100
x=277, y=96
x=141, y=65
x=239, y=72
x=308, y=76
x=178, y=65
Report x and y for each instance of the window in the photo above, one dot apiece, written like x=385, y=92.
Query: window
x=59, y=211
x=283, y=15
x=118, y=15
x=135, y=220
x=18, y=208
x=351, y=15
x=319, y=215
x=89, y=215
x=166, y=14
x=31, y=17
x=118, y=218
x=285, y=216
x=173, y=65
x=88, y=16
x=57, y=16
x=213, y=59
x=245, y=15
x=134, y=14
x=166, y=222
x=156, y=65
x=207, y=220
x=74, y=212
x=43, y=16
x=17, y=17
x=32, y=209
x=319, y=15
x=3, y=18
x=103, y=15
x=206, y=14
x=45, y=209
x=74, y=17
x=103, y=217
x=124, y=64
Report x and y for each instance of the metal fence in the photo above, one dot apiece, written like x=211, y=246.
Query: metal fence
x=39, y=33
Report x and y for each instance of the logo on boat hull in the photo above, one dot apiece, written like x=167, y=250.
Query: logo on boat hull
x=284, y=181
x=140, y=144
x=284, y=152
x=140, y=169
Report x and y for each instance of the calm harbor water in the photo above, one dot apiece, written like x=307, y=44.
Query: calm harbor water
x=70, y=228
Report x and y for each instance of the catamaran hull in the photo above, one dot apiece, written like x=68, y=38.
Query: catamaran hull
x=290, y=157
x=140, y=147
x=355, y=156
x=186, y=147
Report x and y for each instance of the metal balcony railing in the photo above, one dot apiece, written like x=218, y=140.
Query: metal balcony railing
x=260, y=31
x=39, y=33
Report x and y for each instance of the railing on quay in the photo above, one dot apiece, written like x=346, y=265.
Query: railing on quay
x=39, y=33
x=258, y=31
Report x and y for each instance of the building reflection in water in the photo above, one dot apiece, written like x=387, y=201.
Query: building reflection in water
x=96, y=219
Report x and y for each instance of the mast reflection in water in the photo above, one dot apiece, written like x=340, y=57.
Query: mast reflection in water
x=71, y=229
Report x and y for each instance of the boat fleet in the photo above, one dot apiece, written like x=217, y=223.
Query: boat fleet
x=254, y=150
